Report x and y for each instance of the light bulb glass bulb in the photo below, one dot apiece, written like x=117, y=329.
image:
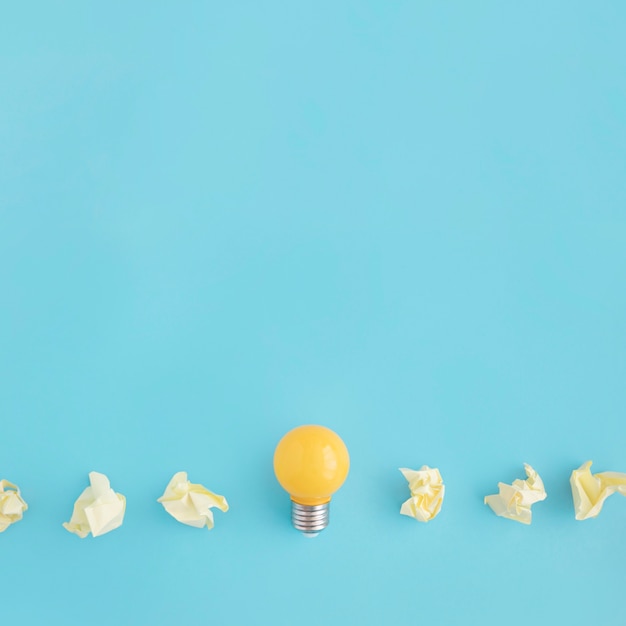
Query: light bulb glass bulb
x=311, y=463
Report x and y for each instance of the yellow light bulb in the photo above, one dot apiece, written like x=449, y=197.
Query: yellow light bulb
x=311, y=463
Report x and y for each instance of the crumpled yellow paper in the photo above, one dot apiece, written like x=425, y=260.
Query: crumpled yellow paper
x=427, y=491
x=190, y=503
x=98, y=509
x=591, y=490
x=514, y=501
x=12, y=506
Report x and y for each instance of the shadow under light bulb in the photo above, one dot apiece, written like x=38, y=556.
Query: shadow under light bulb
x=311, y=463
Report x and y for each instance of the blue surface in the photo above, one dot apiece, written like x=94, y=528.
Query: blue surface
x=403, y=220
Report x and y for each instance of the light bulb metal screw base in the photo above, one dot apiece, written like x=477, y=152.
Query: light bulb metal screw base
x=309, y=519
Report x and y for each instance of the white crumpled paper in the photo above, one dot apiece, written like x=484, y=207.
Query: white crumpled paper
x=591, y=490
x=427, y=491
x=12, y=506
x=514, y=501
x=98, y=510
x=190, y=503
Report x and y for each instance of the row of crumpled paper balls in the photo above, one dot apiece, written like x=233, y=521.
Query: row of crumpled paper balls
x=100, y=510
x=514, y=501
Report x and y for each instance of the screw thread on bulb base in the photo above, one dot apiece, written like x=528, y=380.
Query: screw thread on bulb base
x=309, y=519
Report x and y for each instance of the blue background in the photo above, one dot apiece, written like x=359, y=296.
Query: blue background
x=403, y=220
